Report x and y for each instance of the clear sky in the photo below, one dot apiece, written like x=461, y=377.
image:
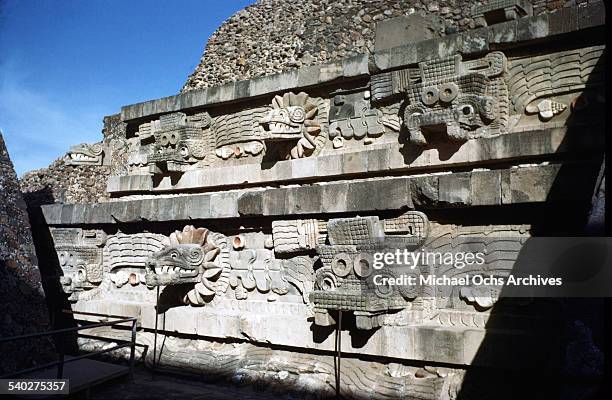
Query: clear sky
x=65, y=64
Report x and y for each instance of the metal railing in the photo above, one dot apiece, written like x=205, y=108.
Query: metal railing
x=61, y=356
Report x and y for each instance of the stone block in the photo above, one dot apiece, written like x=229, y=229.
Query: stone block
x=330, y=72
x=241, y=89
x=405, y=29
x=502, y=33
x=329, y=165
x=475, y=41
x=273, y=83
x=333, y=197
x=303, y=168
x=424, y=191
x=378, y=159
x=486, y=188
x=455, y=189
x=308, y=75
x=274, y=202
x=532, y=28
x=388, y=194
x=220, y=94
x=353, y=163
x=439, y=48
x=562, y=21
x=593, y=15
x=531, y=184
x=355, y=66
x=250, y=204
x=506, y=193
x=302, y=200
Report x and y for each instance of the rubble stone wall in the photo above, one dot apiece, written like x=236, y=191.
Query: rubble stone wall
x=271, y=36
x=62, y=182
x=22, y=298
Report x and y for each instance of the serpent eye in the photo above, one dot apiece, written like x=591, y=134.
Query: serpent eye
x=297, y=114
x=174, y=255
x=184, y=151
x=467, y=110
x=164, y=140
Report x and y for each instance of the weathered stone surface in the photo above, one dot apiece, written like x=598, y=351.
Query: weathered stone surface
x=405, y=29
x=468, y=43
x=23, y=307
x=460, y=189
x=271, y=36
x=506, y=147
x=254, y=207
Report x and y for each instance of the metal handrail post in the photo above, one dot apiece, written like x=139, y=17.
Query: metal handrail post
x=133, y=350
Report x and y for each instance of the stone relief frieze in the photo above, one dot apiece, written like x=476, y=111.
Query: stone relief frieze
x=325, y=265
x=298, y=122
x=193, y=256
x=345, y=281
x=125, y=256
x=79, y=253
x=553, y=84
x=239, y=134
x=179, y=142
x=490, y=95
x=463, y=99
x=88, y=154
x=446, y=99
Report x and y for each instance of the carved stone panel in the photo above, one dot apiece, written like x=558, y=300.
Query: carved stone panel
x=298, y=121
x=346, y=281
x=88, y=154
x=79, y=253
x=179, y=142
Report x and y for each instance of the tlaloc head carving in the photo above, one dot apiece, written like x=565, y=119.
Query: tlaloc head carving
x=348, y=279
x=294, y=118
x=79, y=253
x=194, y=256
x=462, y=99
x=86, y=154
x=179, y=142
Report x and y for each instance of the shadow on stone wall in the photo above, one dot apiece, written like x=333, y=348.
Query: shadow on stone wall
x=560, y=352
x=50, y=270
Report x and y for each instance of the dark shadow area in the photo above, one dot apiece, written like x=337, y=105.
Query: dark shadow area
x=551, y=348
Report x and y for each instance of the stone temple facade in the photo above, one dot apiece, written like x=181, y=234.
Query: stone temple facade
x=235, y=215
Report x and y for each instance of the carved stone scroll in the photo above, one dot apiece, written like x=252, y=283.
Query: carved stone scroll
x=88, y=154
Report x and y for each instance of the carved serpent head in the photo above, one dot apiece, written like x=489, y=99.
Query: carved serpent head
x=190, y=258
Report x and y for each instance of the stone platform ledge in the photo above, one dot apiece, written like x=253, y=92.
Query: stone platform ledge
x=385, y=159
x=472, y=42
x=438, y=344
x=477, y=188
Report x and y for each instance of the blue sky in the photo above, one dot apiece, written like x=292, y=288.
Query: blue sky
x=66, y=64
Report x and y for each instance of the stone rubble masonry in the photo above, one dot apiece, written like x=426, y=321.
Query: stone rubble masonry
x=468, y=43
x=272, y=36
x=22, y=298
x=64, y=183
